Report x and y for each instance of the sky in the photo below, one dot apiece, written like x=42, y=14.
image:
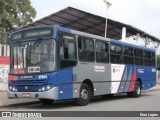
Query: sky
x=142, y=14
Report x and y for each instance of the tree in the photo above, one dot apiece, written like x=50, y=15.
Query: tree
x=15, y=14
x=158, y=62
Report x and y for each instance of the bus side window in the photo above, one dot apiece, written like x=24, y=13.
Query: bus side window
x=85, y=49
x=68, y=57
x=153, y=58
x=128, y=53
x=138, y=57
x=102, y=52
x=147, y=58
x=69, y=50
x=116, y=54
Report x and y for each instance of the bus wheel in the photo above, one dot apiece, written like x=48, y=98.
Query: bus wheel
x=137, y=92
x=46, y=101
x=85, y=94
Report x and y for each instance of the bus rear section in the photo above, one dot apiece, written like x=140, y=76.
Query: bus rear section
x=132, y=68
x=128, y=78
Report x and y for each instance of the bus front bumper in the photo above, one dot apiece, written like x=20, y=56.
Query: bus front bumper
x=50, y=94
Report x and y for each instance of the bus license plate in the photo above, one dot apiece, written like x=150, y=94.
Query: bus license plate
x=26, y=95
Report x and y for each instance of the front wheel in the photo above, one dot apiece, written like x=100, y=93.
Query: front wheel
x=137, y=92
x=85, y=94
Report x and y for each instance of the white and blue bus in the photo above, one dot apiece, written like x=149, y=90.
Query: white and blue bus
x=56, y=63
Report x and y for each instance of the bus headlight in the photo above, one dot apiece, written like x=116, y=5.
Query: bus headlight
x=45, y=88
x=13, y=89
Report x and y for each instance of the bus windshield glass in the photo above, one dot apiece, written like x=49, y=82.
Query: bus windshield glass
x=33, y=57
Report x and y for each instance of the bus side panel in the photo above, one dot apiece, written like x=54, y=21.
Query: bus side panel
x=97, y=73
x=117, y=72
x=147, y=75
x=123, y=77
x=65, y=80
x=76, y=83
x=128, y=79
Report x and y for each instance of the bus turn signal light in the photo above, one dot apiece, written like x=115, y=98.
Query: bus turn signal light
x=11, y=77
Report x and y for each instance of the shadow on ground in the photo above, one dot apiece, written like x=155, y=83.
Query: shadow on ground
x=67, y=103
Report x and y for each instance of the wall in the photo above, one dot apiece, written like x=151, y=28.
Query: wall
x=4, y=69
x=4, y=66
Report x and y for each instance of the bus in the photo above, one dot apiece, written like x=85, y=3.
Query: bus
x=53, y=63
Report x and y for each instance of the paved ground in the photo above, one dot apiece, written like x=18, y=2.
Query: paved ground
x=149, y=101
x=4, y=101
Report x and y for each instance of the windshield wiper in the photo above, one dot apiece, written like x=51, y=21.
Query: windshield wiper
x=35, y=46
x=19, y=46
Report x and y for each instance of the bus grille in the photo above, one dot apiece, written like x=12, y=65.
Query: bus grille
x=30, y=82
x=28, y=85
x=31, y=88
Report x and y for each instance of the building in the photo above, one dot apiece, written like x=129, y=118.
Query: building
x=86, y=22
x=90, y=23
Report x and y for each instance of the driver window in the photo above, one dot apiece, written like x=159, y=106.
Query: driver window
x=68, y=54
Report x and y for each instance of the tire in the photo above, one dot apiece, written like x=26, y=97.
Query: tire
x=129, y=94
x=85, y=94
x=137, y=92
x=46, y=101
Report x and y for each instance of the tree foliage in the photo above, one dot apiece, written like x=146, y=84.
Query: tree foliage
x=15, y=14
x=158, y=62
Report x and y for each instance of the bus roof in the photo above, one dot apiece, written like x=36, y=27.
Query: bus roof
x=131, y=45
x=30, y=28
x=68, y=30
x=107, y=39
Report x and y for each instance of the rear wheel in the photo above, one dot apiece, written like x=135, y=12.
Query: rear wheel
x=137, y=92
x=85, y=94
x=46, y=101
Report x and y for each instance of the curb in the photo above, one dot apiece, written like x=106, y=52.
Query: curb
x=3, y=91
x=19, y=104
x=153, y=90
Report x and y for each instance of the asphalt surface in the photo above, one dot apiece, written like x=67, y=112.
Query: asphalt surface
x=149, y=101
x=4, y=101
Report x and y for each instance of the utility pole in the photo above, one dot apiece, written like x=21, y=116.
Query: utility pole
x=107, y=7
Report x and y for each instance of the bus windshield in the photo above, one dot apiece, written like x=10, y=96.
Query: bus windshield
x=33, y=57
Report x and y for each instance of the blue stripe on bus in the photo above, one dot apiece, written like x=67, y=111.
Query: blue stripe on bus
x=65, y=79
x=147, y=77
x=123, y=77
x=129, y=78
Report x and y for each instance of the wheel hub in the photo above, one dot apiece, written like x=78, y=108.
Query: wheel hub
x=138, y=90
x=84, y=94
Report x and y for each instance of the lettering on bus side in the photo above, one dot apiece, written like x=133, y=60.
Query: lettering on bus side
x=37, y=33
x=42, y=77
x=17, y=36
x=153, y=70
x=100, y=68
x=141, y=70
